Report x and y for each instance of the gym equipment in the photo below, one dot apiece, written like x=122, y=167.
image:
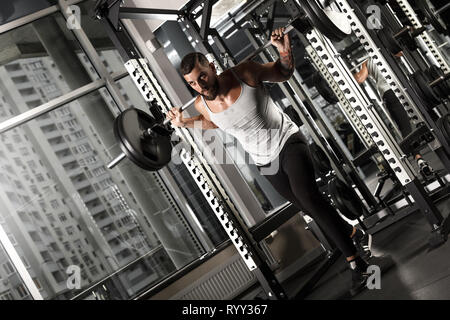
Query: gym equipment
x=432, y=15
x=288, y=29
x=151, y=148
x=324, y=89
x=444, y=125
x=332, y=24
x=442, y=88
x=134, y=129
x=431, y=90
x=344, y=199
x=342, y=196
x=389, y=41
x=321, y=162
x=406, y=36
x=145, y=141
x=416, y=140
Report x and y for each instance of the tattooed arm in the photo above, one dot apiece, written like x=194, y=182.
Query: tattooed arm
x=282, y=42
x=286, y=63
x=278, y=71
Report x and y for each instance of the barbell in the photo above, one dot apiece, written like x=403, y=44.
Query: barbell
x=133, y=142
x=147, y=142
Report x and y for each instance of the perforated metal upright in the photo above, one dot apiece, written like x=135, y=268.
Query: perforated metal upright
x=368, y=116
x=424, y=36
x=414, y=106
x=197, y=165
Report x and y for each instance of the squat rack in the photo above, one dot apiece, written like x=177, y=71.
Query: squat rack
x=361, y=110
x=110, y=12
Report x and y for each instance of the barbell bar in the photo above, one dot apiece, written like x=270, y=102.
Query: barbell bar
x=442, y=9
x=147, y=132
x=288, y=29
x=146, y=147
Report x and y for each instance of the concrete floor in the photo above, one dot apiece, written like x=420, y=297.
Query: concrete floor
x=410, y=271
x=415, y=272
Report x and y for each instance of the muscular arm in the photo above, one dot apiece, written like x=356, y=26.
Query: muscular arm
x=285, y=64
x=254, y=73
x=205, y=123
x=278, y=71
x=362, y=75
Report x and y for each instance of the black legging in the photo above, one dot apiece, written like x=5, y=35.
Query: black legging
x=397, y=112
x=296, y=182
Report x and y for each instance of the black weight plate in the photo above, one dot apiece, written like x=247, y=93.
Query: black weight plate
x=428, y=10
x=345, y=199
x=424, y=90
x=151, y=153
x=334, y=25
x=324, y=89
x=320, y=160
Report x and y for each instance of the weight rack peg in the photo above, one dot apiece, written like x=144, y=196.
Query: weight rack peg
x=439, y=80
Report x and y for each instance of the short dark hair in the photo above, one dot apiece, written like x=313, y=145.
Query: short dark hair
x=189, y=61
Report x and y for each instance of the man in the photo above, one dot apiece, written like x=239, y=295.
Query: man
x=237, y=102
x=393, y=105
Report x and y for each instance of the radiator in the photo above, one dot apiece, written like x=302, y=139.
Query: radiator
x=224, y=282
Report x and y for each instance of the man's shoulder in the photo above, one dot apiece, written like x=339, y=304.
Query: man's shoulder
x=243, y=68
x=246, y=71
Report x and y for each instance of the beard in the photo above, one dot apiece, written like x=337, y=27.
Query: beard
x=212, y=91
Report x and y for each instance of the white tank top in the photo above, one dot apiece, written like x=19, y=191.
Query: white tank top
x=256, y=122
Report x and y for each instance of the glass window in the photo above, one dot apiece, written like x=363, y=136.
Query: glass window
x=159, y=238
x=25, y=262
x=12, y=287
x=6, y=295
x=37, y=283
x=22, y=291
x=7, y=266
x=42, y=63
x=96, y=33
x=12, y=10
x=127, y=86
x=196, y=200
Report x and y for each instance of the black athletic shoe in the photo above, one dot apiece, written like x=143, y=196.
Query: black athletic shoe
x=363, y=244
x=424, y=167
x=359, y=281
